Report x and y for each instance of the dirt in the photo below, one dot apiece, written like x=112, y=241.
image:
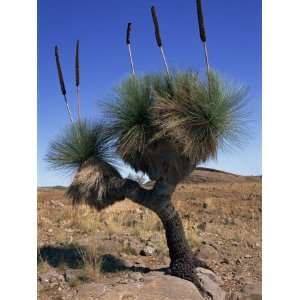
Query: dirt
x=125, y=243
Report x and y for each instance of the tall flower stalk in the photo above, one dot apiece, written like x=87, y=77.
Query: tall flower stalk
x=77, y=78
x=128, y=42
x=62, y=83
x=158, y=37
x=202, y=32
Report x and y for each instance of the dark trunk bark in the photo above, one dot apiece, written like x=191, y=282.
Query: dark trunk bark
x=183, y=264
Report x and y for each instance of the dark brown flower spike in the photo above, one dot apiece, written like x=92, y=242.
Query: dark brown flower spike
x=158, y=37
x=59, y=72
x=156, y=27
x=201, y=21
x=77, y=73
x=77, y=78
x=128, y=32
x=62, y=83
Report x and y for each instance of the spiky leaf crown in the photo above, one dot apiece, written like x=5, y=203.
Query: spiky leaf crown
x=199, y=116
x=156, y=122
x=79, y=143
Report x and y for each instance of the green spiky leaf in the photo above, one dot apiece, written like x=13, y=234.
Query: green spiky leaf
x=202, y=116
x=77, y=144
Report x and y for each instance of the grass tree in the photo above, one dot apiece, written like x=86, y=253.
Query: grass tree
x=161, y=125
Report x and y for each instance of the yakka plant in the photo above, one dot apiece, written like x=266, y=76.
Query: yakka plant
x=162, y=125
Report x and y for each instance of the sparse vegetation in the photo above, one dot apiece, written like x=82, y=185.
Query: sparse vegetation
x=125, y=228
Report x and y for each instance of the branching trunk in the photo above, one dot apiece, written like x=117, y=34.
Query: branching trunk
x=183, y=264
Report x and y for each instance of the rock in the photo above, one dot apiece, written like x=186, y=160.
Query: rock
x=225, y=261
x=206, y=252
x=72, y=275
x=228, y=221
x=147, y=251
x=155, y=287
x=251, y=291
x=123, y=280
x=51, y=277
x=211, y=283
x=201, y=226
x=136, y=276
x=91, y=290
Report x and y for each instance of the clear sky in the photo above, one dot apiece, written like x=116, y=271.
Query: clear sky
x=233, y=29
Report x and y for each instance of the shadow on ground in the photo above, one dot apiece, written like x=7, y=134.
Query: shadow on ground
x=56, y=256
x=74, y=258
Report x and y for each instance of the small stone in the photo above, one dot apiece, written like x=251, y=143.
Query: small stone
x=250, y=245
x=205, y=205
x=123, y=281
x=51, y=277
x=136, y=276
x=206, y=252
x=147, y=251
x=201, y=226
x=70, y=275
x=90, y=290
x=225, y=261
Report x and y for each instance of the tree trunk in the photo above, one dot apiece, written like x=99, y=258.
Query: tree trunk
x=183, y=264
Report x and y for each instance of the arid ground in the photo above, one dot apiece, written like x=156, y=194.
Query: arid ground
x=81, y=250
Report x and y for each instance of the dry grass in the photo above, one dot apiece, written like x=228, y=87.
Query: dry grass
x=91, y=259
x=223, y=218
x=127, y=217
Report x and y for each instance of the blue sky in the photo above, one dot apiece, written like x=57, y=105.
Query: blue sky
x=233, y=31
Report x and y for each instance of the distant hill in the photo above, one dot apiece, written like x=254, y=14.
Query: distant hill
x=201, y=175
x=55, y=187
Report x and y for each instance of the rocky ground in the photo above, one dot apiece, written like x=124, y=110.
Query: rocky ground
x=120, y=253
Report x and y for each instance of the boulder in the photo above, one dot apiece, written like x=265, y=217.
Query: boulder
x=212, y=284
x=155, y=287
